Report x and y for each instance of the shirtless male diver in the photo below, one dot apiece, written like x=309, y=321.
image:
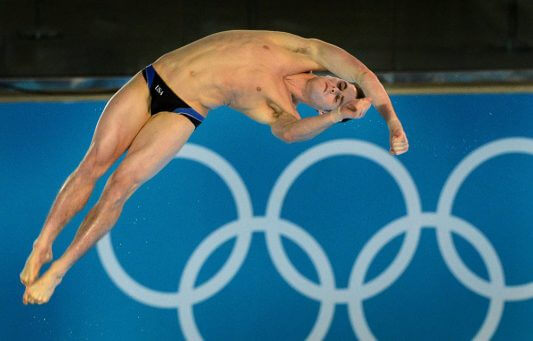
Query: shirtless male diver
x=262, y=74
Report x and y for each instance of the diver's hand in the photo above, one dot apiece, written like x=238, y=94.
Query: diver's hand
x=398, y=139
x=353, y=109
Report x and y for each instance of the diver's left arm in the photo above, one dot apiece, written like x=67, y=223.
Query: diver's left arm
x=345, y=66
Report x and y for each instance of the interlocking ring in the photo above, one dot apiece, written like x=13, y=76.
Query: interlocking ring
x=326, y=291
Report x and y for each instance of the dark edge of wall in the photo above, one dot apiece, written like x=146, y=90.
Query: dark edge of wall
x=101, y=88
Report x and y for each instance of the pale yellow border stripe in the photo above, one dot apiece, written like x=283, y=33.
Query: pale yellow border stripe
x=4, y=98
x=459, y=89
x=391, y=89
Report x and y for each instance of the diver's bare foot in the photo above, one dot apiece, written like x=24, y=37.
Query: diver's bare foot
x=37, y=258
x=41, y=291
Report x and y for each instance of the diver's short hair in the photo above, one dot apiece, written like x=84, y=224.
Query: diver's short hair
x=360, y=92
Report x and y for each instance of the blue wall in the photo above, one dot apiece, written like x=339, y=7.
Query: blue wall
x=348, y=270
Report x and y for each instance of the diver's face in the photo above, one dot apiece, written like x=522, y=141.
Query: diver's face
x=328, y=93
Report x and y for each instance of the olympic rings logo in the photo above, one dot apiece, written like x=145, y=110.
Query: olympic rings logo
x=326, y=292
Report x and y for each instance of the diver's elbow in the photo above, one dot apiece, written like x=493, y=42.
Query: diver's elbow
x=285, y=136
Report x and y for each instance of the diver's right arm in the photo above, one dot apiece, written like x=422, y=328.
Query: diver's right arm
x=291, y=129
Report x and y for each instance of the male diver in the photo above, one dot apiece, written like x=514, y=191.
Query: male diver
x=262, y=74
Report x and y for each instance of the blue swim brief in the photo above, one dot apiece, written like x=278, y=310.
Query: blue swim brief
x=164, y=99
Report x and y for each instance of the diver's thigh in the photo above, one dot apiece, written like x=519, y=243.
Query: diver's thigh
x=121, y=120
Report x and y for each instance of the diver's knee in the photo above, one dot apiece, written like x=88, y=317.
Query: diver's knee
x=119, y=187
x=95, y=163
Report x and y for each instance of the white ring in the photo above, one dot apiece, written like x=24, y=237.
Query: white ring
x=160, y=299
x=325, y=291
x=222, y=235
x=444, y=208
x=304, y=161
x=402, y=225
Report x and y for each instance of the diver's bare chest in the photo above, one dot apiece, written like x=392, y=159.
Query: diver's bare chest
x=251, y=95
x=261, y=101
